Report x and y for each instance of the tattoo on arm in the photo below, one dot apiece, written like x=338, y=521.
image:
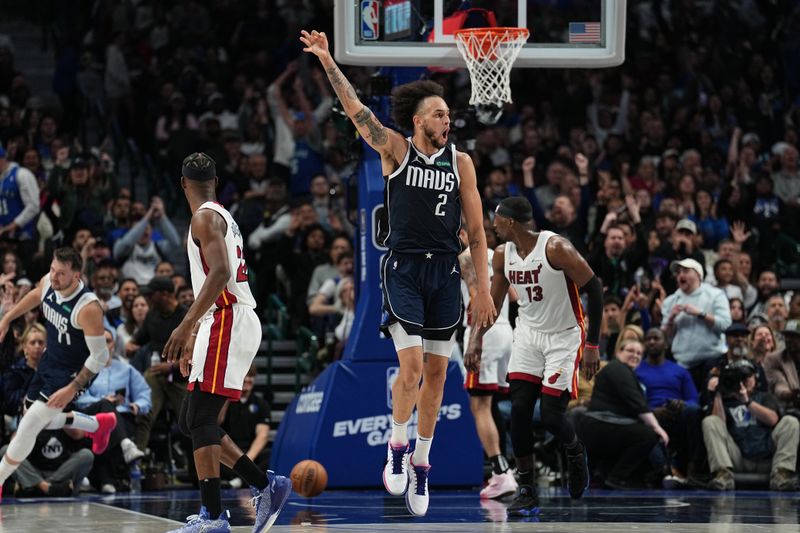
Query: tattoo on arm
x=83, y=378
x=468, y=271
x=377, y=132
x=475, y=243
x=340, y=84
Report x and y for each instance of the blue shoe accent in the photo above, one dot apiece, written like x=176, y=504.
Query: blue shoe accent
x=270, y=501
x=202, y=523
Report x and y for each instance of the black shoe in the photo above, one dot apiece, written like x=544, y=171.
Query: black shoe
x=577, y=471
x=60, y=489
x=526, y=503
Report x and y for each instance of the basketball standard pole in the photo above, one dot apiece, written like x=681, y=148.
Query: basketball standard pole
x=346, y=412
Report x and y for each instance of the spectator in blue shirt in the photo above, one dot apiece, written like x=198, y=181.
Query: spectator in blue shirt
x=672, y=396
x=118, y=387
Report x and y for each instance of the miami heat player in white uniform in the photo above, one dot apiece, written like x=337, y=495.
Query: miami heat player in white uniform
x=496, y=347
x=546, y=272
x=549, y=335
x=230, y=333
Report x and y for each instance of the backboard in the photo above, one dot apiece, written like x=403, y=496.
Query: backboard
x=563, y=33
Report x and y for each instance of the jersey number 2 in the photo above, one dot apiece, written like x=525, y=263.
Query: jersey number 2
x=241, y=272
x=440, y=206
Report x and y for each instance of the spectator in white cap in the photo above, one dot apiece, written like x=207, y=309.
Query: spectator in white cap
x=695, y=318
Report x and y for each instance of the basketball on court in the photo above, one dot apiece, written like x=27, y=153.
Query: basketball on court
x=309, y=478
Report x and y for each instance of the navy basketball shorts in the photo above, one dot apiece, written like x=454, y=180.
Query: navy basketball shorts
x=422, y=293
x=49, y=378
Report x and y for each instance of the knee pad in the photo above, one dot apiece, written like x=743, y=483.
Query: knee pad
x=523, y=397
x=202, y=409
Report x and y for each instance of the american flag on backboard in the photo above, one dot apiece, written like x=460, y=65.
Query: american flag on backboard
x=584, y=32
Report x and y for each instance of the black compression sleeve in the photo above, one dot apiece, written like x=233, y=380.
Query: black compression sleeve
x=595, y=291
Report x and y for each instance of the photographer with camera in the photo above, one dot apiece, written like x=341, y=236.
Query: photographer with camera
x=746, y=433
x=781, y=368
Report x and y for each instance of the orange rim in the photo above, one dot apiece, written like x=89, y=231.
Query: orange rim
x=482, y=47
x=509, y=33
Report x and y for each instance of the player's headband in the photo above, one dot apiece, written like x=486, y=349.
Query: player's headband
x=520, y=213
x=199, y=174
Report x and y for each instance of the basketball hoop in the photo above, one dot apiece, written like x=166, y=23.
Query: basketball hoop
x=490, y=53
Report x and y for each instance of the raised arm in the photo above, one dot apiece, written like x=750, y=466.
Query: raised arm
x=28, y=302
x=385, y=141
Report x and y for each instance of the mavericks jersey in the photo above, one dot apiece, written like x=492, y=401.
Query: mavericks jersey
x=548, y=299
x=423, y=204
x=66, y=345
x=237, y=289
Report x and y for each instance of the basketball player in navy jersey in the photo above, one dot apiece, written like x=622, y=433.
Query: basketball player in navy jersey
x=76, y=352
x=428, y=184
x=546, y=271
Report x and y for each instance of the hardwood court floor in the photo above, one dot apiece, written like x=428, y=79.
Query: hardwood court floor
x=450, y=511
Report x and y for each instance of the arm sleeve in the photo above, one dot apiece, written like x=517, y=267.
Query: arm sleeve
x=29, y=192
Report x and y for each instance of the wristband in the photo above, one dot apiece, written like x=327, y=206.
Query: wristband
x=590, y=346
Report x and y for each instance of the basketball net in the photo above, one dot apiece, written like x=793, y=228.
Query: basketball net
x=490, y=53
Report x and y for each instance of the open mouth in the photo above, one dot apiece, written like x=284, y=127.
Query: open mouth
x=445, y=133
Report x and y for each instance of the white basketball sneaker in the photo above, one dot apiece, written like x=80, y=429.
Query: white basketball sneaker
x=499, y=485
x=395, y=472
x=417, y=495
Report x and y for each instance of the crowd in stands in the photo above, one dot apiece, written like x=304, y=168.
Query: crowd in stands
x=676, y=175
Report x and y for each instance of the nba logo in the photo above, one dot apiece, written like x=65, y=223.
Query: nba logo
x=370, y=27
x=391, y=375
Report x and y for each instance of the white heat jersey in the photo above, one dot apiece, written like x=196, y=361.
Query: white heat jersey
x=548, y=299
x=502, y=317
x=237, y=289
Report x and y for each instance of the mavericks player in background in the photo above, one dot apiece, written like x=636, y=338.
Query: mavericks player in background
x=218, y=338
x=490, y=380
x=427, y=182
x=546, y=271
x=76, y=352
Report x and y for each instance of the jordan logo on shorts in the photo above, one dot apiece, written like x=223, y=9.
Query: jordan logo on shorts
x=552, y=379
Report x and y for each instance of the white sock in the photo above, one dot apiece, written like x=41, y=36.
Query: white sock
x=421, y=451
x=399, y=433
x=6, y=469
x=126, y=443
x=83, y=421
